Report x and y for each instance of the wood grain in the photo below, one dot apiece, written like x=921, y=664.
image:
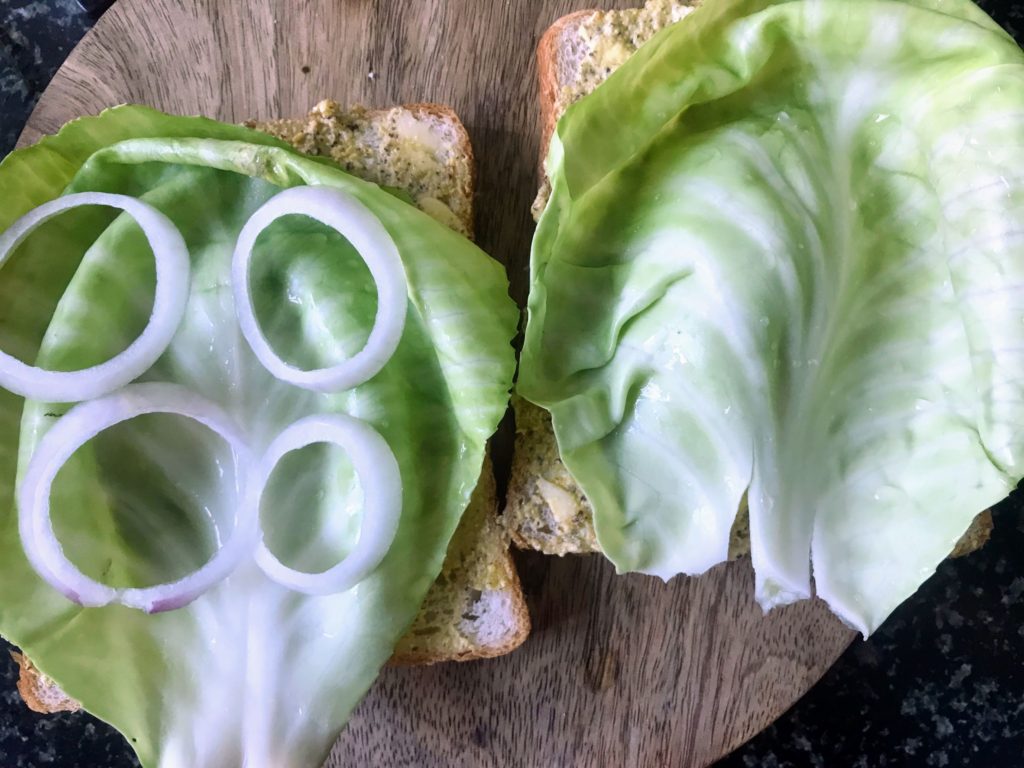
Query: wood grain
x=620, y=671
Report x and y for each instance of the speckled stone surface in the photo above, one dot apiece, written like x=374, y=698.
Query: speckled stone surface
x=35, y=38
x=940, y=684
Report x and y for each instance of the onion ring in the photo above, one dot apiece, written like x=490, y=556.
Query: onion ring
x=378, y=472
x=345, y=214
x=173, y=271
x=74, y=430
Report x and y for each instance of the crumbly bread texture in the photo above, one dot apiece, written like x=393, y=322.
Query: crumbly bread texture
x=976, y=536
x=39, y=692
x=546, y=510
x=476, y=608
x=421, y=149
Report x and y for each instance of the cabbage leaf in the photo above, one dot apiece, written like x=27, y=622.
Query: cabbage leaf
x=784, y=256
x=250, y=673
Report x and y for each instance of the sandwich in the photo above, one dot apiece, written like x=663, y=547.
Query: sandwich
x=157, y=653
x=774, y=303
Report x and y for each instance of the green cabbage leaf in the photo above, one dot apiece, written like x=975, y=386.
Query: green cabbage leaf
x=250, y=673
x=783, y=256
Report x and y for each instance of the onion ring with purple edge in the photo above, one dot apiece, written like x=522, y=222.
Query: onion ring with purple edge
x=173, y=283
x=81, y=424
x=353, y=220
x=377, y=468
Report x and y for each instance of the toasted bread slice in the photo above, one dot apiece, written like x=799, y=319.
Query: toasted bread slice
x=476, y=609
x=546, y=510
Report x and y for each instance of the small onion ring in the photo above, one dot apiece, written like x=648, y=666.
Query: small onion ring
x=349, y=217
x=74, y=430
x=378, y=472
x=172, y=290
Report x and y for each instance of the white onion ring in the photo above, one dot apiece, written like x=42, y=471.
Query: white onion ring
x=80, y=425
x=378, y=473
x=172, y=291
x=346, y=215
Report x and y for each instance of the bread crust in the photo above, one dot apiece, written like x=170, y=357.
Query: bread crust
x=521, y=615
x=468, y=185
x=549, y=51
x=38, y=692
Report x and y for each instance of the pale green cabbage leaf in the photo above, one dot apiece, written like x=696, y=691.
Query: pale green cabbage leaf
x=250, y=673
x=784, y=255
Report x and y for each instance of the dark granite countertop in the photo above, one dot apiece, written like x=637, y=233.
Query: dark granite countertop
x=940, y=684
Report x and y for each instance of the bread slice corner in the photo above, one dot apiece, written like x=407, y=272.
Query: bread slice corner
x=421, y=149
x=579, y=51
x=476, y=608
x=39, y=692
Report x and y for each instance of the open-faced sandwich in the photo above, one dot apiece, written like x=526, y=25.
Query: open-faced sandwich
x=246, y=394
x=776, y=301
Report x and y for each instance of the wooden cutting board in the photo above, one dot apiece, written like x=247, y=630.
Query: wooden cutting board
x=619, y=671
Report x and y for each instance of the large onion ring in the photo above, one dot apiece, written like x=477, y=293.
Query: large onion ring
x=172, y=291
x=80, y=425
x=345, y=214
x=378, y=472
